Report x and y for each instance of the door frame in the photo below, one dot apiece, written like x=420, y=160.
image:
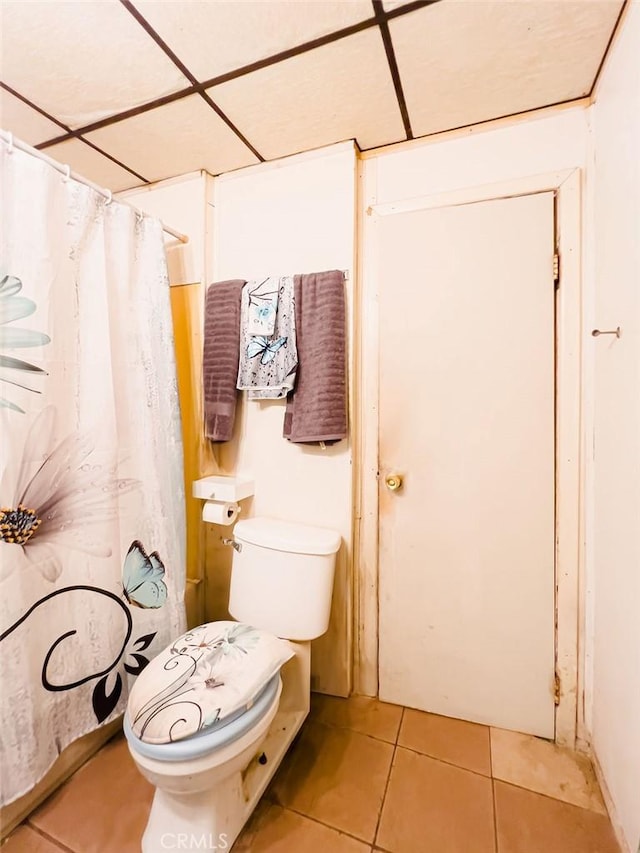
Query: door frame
x=566, y=185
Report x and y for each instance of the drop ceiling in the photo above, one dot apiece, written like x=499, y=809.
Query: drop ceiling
x=132, y=92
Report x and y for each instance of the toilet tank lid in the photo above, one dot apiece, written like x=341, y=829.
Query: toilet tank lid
x=284, y=536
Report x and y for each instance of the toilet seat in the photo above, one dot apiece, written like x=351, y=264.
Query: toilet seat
x=214, y=737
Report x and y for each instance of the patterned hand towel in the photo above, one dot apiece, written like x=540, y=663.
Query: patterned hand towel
x=267, y=368
x=317, y=408
x=220, y=357
x=263, y=306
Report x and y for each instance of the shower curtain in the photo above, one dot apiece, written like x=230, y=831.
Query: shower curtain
x=92, y=564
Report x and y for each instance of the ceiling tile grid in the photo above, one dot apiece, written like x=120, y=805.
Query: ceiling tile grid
x=317, y=98
x=214, y=38
x=466, y=62
x=82, y=61
x=86, y=161
x=25, y=122
x=165, y=87
x=181, y=137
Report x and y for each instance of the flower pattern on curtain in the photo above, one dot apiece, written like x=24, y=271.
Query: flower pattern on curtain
x=92, y=563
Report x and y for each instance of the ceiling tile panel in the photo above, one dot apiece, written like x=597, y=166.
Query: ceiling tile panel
x=179, y=137
x=390, y=5
x=89, y=163
x=84, y=60
x=340, y=91
x=212, y=38
x=463, y=62
x=25, y=123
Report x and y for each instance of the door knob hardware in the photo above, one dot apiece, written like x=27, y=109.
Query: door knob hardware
x=393, y=482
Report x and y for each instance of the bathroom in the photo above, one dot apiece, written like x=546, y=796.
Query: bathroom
x=346, y=136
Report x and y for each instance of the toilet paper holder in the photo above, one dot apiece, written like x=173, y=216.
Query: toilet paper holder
x=222, y=489
x=221, y=496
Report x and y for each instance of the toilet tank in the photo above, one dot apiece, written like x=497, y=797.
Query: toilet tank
x=282, y=577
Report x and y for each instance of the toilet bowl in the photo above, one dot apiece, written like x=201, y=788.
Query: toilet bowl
x=208, y=784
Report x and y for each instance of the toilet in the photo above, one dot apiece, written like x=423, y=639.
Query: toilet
x=207, y=784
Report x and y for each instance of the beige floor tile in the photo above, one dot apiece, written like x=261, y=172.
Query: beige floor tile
x=358, y=713
x=103, y=808
x=454, y=741
x=26, y=840
x=278, y=830
x=245, y=840
x=541, y=766
x=335, y=776
x=432, y=806
x=532, y=823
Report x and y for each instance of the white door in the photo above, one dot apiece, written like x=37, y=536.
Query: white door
x=466, y=587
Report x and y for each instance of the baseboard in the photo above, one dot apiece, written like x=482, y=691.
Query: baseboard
x=611, y=808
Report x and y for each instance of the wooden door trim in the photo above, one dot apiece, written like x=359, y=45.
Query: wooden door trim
x=566, y=185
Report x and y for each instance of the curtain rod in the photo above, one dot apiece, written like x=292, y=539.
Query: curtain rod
x=12, y=143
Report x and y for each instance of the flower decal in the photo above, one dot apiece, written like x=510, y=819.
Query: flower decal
x=207, y=678
x=207, y=649
x=14, y=307
x=60, y=498
x=195, y=641
x=239, y=639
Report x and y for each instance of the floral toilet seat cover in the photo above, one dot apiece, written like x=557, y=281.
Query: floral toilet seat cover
x=207, y=675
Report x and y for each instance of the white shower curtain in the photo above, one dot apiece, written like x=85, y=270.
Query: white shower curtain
x=92, y=564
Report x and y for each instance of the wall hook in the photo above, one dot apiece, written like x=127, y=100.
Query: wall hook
x=67, y=174
x=617, y=332
x=10, y=143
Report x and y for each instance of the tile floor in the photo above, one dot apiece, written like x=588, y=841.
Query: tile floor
x=362, y=776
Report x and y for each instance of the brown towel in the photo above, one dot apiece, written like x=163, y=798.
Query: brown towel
x=221, y=353
x=317, y=407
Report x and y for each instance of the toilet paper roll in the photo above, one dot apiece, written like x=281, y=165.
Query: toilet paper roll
x=216, y=512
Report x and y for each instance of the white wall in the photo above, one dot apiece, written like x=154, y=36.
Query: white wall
x=549, y=142
x=184, y=204
x=291, y=216
x=615, y=457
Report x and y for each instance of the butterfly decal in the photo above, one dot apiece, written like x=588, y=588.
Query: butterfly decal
x=142, y=578
x=268, y=349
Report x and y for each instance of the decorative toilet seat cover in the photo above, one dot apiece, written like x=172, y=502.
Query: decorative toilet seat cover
x=203, y=677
